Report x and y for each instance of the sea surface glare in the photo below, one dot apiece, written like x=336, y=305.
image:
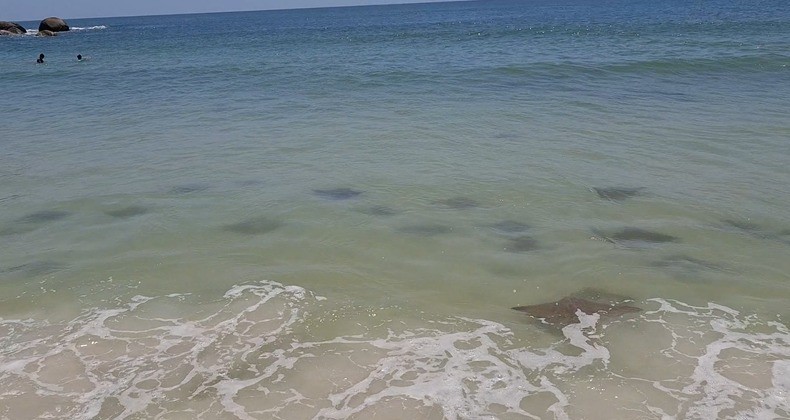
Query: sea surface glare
x=330, y=213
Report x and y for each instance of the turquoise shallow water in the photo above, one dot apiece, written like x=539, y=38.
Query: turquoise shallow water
x=329, y=213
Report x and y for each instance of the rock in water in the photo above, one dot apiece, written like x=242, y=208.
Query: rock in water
x=563, y=311
x=12, y=28
x=54, y=24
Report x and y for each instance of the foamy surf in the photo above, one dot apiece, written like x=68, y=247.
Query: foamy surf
x=34, y=32
x=263, y=351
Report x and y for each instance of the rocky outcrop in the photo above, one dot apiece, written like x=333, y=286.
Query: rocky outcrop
x=53, y=24
x=46, y=32
x=12, y=28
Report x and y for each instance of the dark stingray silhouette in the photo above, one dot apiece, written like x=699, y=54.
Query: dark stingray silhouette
x=756, y=231
x=188, y=189
x=509, y=227
x=522, y=244
x=632, y=237
x=33, y=221
x=564, y=311
x=337, y=193
x=43, y=216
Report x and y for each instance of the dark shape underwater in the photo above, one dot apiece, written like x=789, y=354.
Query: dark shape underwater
x=188, y=189
x=338, y=193
x=635, y=237
x=44, y=216
x=564, y=311
x=522, y=244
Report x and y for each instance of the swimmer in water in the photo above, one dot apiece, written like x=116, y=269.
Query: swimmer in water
x=40, y=59
x=79, y=57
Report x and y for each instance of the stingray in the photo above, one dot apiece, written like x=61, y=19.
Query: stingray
x=522, y=244
x=337, y=193
x=755, y=230
x=617, y=193
x=564, y=311
x=635, y=237
x=126, y=212
x=684, y=263
x=458, y=203
x=254, y=226
x=35, y=268
x=188, y=189
x=43, y=216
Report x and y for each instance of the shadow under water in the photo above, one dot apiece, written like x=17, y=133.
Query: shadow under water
x=632, y=237
x=523, y=244
x=188, y=189
x=338, y=194
x=34, y=269
x=33, y=221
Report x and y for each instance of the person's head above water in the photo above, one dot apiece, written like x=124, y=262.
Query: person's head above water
x=79, y=57
x=40, y=58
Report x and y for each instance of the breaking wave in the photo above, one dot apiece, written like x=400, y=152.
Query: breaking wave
x=266, y=350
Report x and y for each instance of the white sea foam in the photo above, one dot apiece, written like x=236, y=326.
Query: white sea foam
x=252, y=355
x=89, y=28
x=34, y=32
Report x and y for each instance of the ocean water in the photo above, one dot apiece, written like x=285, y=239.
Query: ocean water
x=330, y=213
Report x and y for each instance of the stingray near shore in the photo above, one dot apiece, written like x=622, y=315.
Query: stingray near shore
x=43, y=216
x=564, y=311
x=632, y=237
x=522, y=243
x=337, y=194
x=509, y=227
x=33, y=221
x=188, y=189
